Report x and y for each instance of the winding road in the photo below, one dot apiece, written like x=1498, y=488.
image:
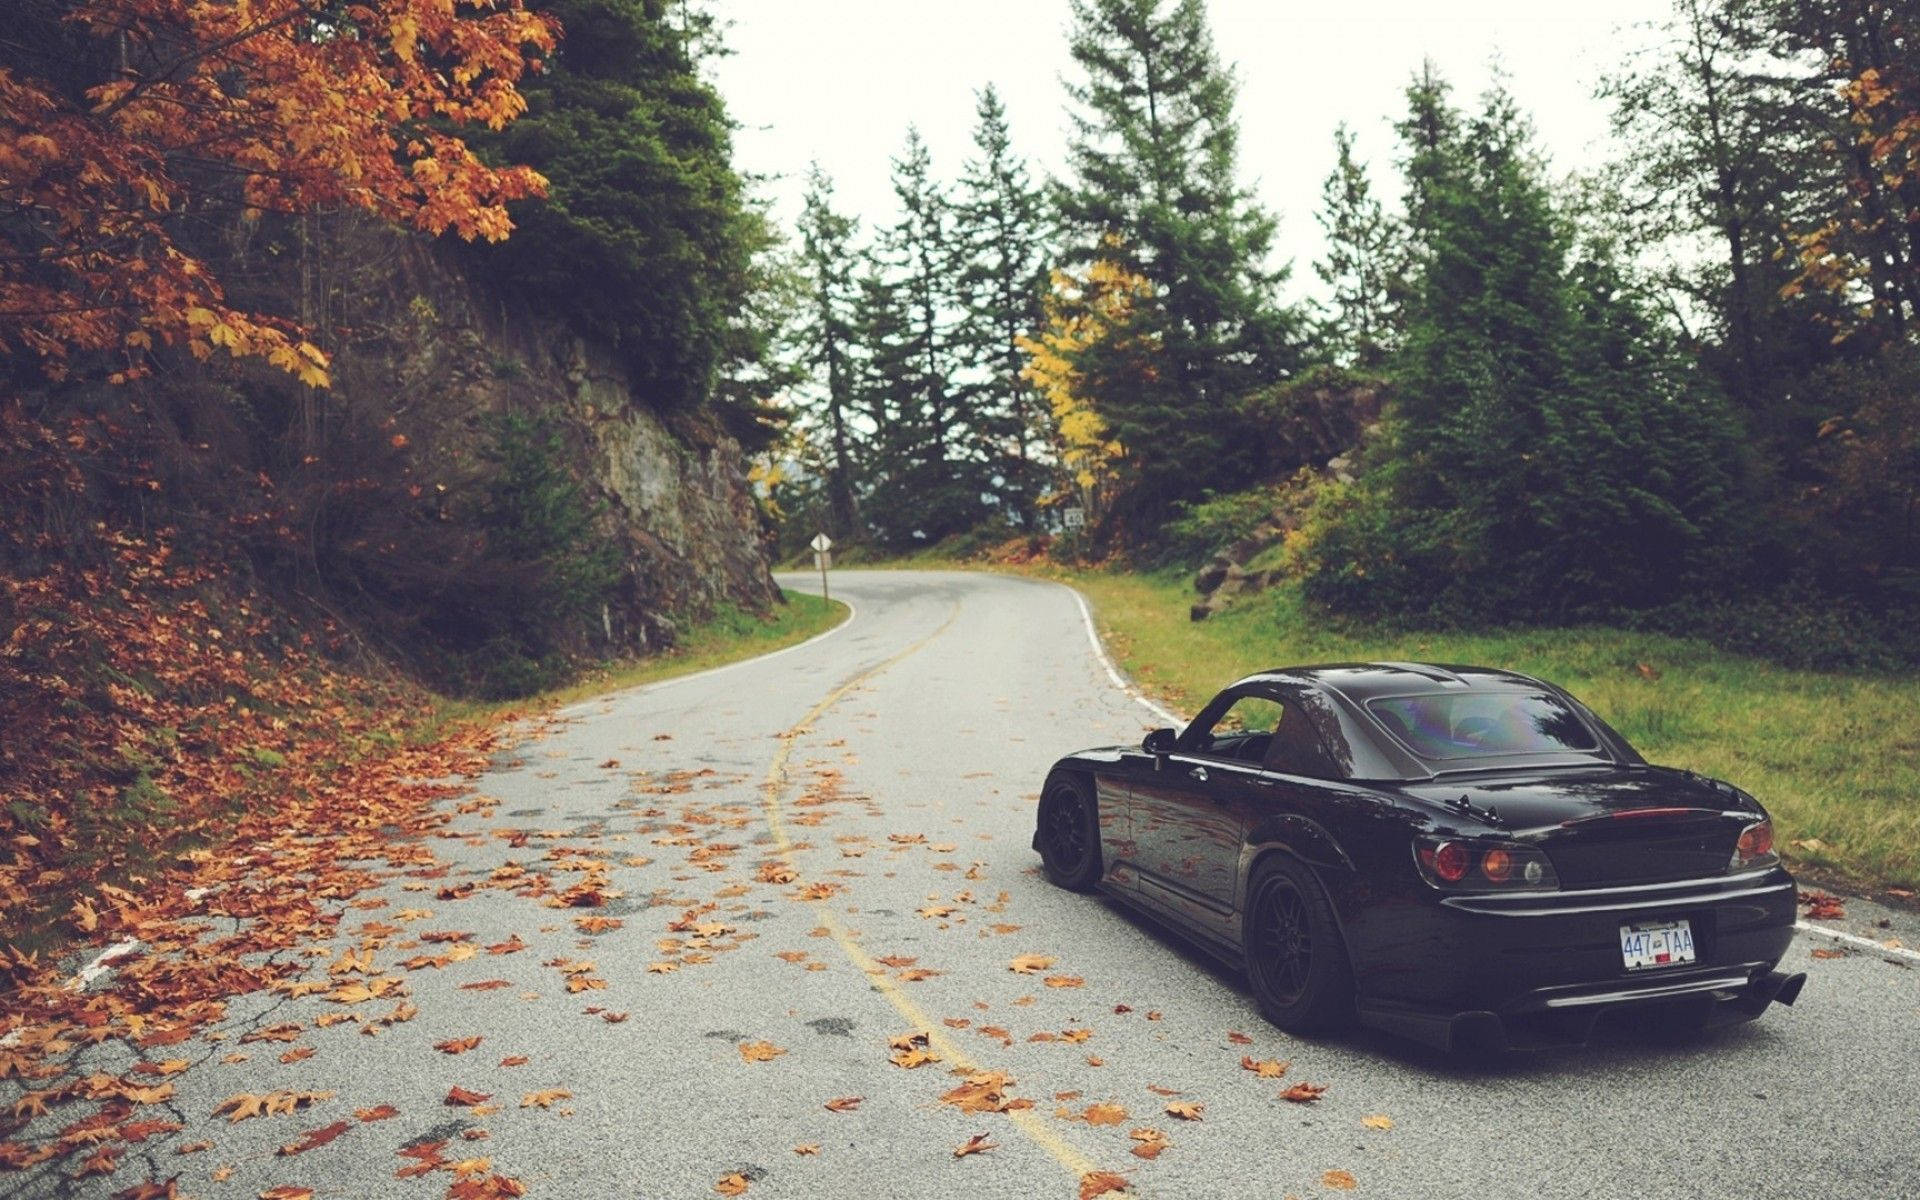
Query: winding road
x=827, y=848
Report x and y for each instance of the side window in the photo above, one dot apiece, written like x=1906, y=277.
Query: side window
x=1244, y=731
x=1296, y=748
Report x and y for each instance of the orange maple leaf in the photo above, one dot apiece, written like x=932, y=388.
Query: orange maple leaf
x=1270, y=1068
x=973, y=1145
x=313, y=1139
x=1100, y=1183
x=1148, y=1143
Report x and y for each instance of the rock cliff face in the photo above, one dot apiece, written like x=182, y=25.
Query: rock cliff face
x=427, y=354
x=676, y=496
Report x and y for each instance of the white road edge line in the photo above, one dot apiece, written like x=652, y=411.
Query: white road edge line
x=1863, y=942
x=1120, y=681
x=853, y=614
x=1113, y=672
x=98, y=966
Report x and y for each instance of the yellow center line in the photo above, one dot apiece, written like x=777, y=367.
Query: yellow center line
x=773, y=790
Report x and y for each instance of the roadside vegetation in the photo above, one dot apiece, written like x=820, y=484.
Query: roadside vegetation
x=1835, y=756
x=1673, y=392
x=730, y=635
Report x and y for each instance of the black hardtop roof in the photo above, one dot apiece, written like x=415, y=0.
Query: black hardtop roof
x=1365, y=681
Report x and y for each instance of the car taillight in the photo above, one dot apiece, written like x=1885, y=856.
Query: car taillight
x=1460, y=865
x=1755, y=847
x=1497, y=865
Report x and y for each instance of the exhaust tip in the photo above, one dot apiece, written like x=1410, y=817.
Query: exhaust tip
x=1787, y=988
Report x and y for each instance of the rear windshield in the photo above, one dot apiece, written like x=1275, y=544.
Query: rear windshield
x=1451, y=725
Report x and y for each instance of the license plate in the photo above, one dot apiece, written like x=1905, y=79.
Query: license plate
x=1657, y=944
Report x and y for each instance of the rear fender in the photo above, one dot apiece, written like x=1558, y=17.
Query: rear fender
x=1297, y=837
x=1303, y=837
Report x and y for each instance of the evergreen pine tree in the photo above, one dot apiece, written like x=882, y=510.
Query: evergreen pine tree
x=828, y=260
x=1551, y=455
x=930, y=475
x=1153, y=152
x=1726, y=145
x=643, y=197
x=1362, y=258
x=1000, y=228
x=887, y=390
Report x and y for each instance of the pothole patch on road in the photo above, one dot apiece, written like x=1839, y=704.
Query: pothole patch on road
x=832, y=1026
x=445, y=1131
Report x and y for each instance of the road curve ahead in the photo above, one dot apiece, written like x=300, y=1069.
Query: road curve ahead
x=809, y=859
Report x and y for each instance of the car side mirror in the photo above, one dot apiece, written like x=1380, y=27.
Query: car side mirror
x=1159, y=742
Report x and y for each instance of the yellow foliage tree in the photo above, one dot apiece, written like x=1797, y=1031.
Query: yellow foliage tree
x=1089, y=343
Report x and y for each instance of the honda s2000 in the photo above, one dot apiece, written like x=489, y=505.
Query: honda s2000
x=1460, y=855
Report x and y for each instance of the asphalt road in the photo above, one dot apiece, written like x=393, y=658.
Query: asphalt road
x=897, y=760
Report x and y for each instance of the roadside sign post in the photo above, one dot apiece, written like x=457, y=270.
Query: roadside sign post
x=1073, y=518
x=822, y=559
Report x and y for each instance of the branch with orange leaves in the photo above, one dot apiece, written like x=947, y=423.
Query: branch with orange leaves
x=275, y=106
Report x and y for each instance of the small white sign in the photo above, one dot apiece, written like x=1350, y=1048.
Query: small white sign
x=822, y=543
x=1073, y=518
x=822, y=560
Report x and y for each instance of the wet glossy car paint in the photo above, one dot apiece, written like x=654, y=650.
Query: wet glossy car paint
x=1182, y=831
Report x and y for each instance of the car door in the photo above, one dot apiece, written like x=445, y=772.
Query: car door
x=1301, y=800
x=1190, y=815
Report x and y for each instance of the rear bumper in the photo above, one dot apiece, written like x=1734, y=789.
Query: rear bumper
x=1542, y=968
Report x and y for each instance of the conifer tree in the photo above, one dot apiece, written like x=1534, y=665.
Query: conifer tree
x=1154, y=153
x=828, y=260
x=1723, y=144
x=1362, y=258
x=928, y=474
x=1001, y=230
x=643, y=198
x=1551, y=454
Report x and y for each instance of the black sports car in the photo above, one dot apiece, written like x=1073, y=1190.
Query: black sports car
x=1466, y=856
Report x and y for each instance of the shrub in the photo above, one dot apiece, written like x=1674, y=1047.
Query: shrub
x=1204, y=526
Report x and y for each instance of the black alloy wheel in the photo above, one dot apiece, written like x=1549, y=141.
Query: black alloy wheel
x=1296, y=960
x=1070, y=833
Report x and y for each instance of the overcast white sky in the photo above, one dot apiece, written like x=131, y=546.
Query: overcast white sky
x=840, y=80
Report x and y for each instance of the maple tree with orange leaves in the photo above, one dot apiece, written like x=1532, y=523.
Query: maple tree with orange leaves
x=153, y=109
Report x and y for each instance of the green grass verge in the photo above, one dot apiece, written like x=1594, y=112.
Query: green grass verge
x=731, y=635
x=1835, y=756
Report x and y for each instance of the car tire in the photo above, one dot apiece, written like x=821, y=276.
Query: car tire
x=1069, y=833
x=1296, y=959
